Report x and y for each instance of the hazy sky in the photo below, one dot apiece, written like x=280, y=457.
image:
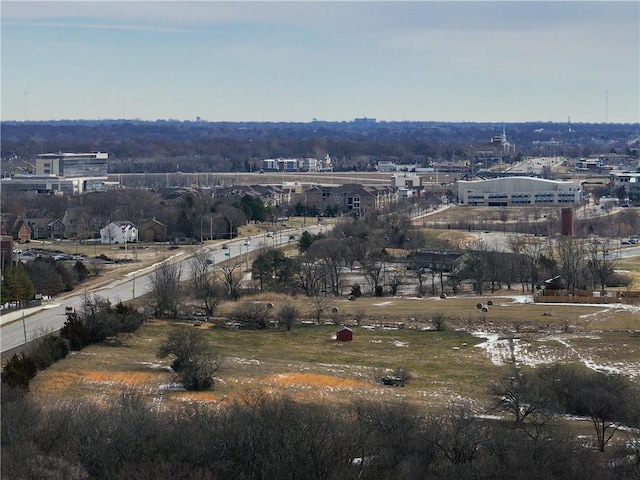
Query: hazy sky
x=293, y=61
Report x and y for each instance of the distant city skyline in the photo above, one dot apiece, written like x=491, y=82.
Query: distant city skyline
x=449, y=61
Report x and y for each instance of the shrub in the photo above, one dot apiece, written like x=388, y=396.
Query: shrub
x=195, y=360
x=19, y=371
x=288, y=314
x=356, y=290
x=75, y=332
x=48, y=350
x=251, y=316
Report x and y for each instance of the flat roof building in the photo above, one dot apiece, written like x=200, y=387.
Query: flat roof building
x=506, y=191
x=63, y=173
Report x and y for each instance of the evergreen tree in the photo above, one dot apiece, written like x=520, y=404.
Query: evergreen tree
x=16, y=285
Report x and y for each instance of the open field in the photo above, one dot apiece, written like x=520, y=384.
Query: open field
x=454, y=365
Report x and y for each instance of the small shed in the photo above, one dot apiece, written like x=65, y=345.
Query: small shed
x=344, y=334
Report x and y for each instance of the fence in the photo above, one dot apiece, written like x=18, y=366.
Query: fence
x=621, y=296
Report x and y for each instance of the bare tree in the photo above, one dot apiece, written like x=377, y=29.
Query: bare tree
x=166, y=292
x=195, y=361
x=320, y=303
x=204, y=284
x=571, y=254
x=288, y=315
x=374, y=266
x=231, y=277
x=532, y=251
x=601, y=264
x=311, y=277
x=476, y=264
x=330, y=253
x=395, y=280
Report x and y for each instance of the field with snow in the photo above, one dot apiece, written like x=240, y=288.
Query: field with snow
x=452, y=365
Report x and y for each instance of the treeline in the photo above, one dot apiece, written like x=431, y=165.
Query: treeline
x=136, y=146
x=261, y=437
x=20, y=282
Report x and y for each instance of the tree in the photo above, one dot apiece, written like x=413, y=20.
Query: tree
x=601, y=264
x=81, y=271
x=330, y=253
x=311, y=277
x=45, y=277
x=475, y=264
x=306, y=239
x=319, y=304
x=251, y=315
x=374, y=266
x=274, y=270
x=16, y=285
x=253, y=208
x=533, y=253
x=166, y=292
x=231, y=277
x=571, y=255
x=194, y=359
x=204, y=285
x=288, y=315
x=608, y=399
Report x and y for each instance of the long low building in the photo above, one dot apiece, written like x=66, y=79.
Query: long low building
x=506, y=191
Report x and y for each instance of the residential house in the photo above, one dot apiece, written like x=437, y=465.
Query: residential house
x=56, y=229
x=39, y=228
x=152, y=231
x=120, y=231
x=20, y=230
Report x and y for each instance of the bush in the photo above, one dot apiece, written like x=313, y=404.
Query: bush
x=19, y=371
x=356, y=290
x=195, y=360
x=379, y=291
x=75, y=332
x=251, y=316
x=288, y=314
x=48, y=350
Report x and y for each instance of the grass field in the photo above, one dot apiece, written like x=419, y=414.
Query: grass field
x=454, y=365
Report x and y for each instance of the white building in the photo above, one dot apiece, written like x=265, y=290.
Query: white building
x=119, y=232
x=71, y=165
x=505, y=191
x=407, y=180
x=63, y=173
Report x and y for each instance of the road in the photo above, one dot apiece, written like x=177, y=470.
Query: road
x=51, y=317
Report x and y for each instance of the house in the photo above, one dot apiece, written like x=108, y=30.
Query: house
x=344, y=334
x=152, y=231
x=79, y=224
x=56, y=229
x=39, y=227
x=20, y=230
x=119, y=231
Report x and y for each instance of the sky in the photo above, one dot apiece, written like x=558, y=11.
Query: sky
x=273, y=61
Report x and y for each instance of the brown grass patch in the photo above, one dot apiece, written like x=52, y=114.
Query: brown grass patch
x=314, y=380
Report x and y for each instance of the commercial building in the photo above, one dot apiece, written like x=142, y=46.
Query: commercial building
x=630, y=181
x=504, y=191
x=63, y=173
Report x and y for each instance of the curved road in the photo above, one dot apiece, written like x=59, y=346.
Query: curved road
x=16, y=330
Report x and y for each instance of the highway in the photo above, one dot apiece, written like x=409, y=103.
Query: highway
x=16, y=329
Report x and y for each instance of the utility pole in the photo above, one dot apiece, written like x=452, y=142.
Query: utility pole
x=24, y=328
